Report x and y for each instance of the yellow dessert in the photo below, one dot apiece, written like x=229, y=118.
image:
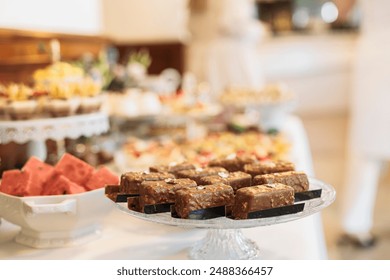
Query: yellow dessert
x=20, y=104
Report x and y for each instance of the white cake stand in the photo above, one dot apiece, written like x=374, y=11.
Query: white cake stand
x=37, y=131
x=224, y=239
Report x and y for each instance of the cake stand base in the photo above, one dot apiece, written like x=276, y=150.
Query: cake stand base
x=224, y=244
x=44, y=240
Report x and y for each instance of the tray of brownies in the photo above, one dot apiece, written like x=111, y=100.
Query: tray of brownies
x=230, y=192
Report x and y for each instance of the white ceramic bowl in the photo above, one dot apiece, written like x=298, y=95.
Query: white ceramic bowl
x=274, y=115
x=58, y=220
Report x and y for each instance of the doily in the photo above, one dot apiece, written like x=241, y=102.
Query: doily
x=53, y=128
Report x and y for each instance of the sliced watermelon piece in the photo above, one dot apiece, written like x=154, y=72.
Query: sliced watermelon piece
x=100, y=178
x=58, y=184
x=40, y=170
x=20, y=183
x=74, y=169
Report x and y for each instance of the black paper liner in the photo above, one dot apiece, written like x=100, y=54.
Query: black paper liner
x=121, y=197
x=274, y=212
x=157, y=208
x=203, y=214
x=302, y=196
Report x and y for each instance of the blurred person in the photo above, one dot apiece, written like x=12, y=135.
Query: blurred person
x=369, y=131
x=224, y=46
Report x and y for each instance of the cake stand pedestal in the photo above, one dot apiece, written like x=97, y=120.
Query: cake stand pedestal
x=224, y=238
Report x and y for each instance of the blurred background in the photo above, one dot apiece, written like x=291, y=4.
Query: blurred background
x=308, y=46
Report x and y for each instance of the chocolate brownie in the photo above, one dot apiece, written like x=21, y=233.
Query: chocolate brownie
x=159, y=192
x=196, y=174
x=131, y=181
x=172, y=167
x=232, y=163
x=111, y=191
x=202, y=197
x=236, y=179
x=261, y=197
x=297, y=180
x=268, y=167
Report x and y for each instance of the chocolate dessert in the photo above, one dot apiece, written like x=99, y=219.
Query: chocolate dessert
x=297, y=180
x=160, y=192
x=236, y=179
x=131, y=181
x=261, y=197
x=233, y=163
x=173, y=168
x=268, y=167
x=196, y=174
x=202, y=197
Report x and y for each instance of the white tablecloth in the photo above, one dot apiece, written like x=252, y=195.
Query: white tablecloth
x=126, y=237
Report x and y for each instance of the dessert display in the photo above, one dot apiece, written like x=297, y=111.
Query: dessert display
x=270, y=94
x=59, y=90
x=216, y=149
x=69, y=176
x=133, y=103
x=213, y=191
x=268, y=107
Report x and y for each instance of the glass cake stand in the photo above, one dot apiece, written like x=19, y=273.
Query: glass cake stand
x=224, y=238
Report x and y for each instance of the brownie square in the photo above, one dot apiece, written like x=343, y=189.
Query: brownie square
x=232, y=164
x=295, y=179
x=173, y=168
x=160, y=192
x=202, y=197
x=261, y=197
x=196, y=174
x=268, y=167
x=131, y=181
x=236, y=179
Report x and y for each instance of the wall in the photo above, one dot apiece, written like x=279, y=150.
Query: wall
x=316, y=67
x=64, y=16
x=146, y=20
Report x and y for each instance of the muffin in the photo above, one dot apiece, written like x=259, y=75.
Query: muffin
x=90, y=98
x=61, y=101
x=20, y=105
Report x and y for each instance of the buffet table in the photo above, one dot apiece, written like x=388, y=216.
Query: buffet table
x=126, y=237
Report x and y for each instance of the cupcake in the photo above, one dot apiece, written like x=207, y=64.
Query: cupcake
x=20, y=105
x=61, y=101
x=90, y=98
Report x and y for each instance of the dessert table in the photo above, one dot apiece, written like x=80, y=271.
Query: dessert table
x=126, y=237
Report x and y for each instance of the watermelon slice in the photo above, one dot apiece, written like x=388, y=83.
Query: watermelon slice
x=39, y=170
x=74, y=169
x=20, y=183
x=100, y=178
x=58, y=184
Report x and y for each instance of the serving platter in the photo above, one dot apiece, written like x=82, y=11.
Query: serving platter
x=224, y=239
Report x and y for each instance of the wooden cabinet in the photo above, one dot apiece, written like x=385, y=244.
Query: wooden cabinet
x=22, y=52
